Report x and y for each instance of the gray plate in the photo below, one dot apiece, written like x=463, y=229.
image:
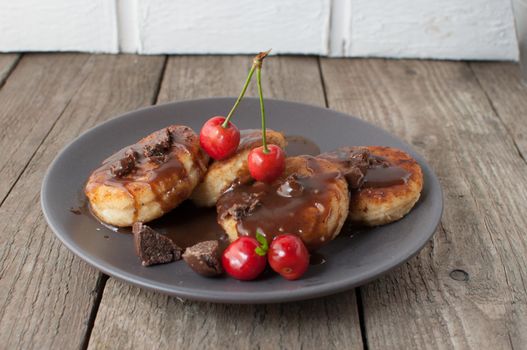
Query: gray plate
x=351, y=261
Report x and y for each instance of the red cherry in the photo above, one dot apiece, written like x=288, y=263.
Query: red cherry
x=241, y=260
x=266, y=167
x=219, y=142
x=288, y=256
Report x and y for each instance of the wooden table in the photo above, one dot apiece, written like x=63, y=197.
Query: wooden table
x=466, y=289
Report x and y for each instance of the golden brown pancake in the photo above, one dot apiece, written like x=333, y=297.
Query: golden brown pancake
x=145, y=180
x=385, y=182
x=310, y=200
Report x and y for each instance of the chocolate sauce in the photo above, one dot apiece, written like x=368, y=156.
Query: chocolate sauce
x=365, y=170
x=156, y=159
x=185, y=226
x=250, y=138
x=188, y=225
x=298, y=203
x=299, y=145
x=385, y=177
x=353, y=162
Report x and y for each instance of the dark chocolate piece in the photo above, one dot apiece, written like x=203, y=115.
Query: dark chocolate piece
x=250, y=202
x=204, y=258
x=159, y=147
x=353, y=162
x=124, y=165
x=152, y=247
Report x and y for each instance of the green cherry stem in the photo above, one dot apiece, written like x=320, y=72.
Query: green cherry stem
x=257, y=62
x=247, y=81
x=262, y=108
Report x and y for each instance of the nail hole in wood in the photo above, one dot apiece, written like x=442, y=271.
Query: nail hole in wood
x=459, y=275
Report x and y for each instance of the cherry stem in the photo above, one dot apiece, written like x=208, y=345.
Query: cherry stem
x=257, y=62
x=262, y=108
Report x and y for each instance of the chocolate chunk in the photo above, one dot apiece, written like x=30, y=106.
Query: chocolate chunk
x=204, y=258
x=158, y=148
x=353, y=163
x=153, y=247
x=125, y=165
x=240, y=210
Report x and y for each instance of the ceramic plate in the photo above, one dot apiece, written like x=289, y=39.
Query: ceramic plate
x=352, y=259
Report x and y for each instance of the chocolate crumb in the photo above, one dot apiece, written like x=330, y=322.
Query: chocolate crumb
x=241, y=210
x=157, y=150
x=125, y=165
x=76, y=211
x=152, y=247
x=204, y=258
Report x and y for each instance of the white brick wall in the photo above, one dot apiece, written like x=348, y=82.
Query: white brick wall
x=454, y=29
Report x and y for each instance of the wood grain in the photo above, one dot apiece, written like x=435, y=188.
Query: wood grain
x=46, y=293
x=38, y=91
x=131, y=318
x=467, y=288
x=502, y=84
x=7, y=64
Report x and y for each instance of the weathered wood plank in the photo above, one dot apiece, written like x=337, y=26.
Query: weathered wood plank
x=39, y=89
x=46, y=293
x=7, y=63
x=288, y=78
x=502, y=84
x=149, y=320
x=467, y=288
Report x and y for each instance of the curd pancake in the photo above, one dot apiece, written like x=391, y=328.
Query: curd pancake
x=145, y=180
x=310, y=200
x=385, y=183
x=222, y=174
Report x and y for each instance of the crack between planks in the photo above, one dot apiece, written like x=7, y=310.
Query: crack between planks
x=322, y=82
x=495, y=110
x=358, y=293
x=99, y=290
x=103, y=278
x=10, y=70
x=362, y=322
x=23, y=170
x=155, y=97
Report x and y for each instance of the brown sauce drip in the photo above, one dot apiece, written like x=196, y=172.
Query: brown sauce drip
x=300, y=145
x=250, y=138
x=297, y=205
x=149, y=170
x=385, y=177
x=188, y=225
x=381, y=173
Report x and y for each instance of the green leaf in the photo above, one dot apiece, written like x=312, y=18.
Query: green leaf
x=260, y=251
x=264, y=246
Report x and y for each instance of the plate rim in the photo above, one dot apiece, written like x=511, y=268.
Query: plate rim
x=275, y=296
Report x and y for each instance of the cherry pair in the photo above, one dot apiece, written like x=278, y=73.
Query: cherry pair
x=220, y=138
x=246, y=258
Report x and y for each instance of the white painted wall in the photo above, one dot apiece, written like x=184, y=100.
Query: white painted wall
x=58, y=25
x=452, y=29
